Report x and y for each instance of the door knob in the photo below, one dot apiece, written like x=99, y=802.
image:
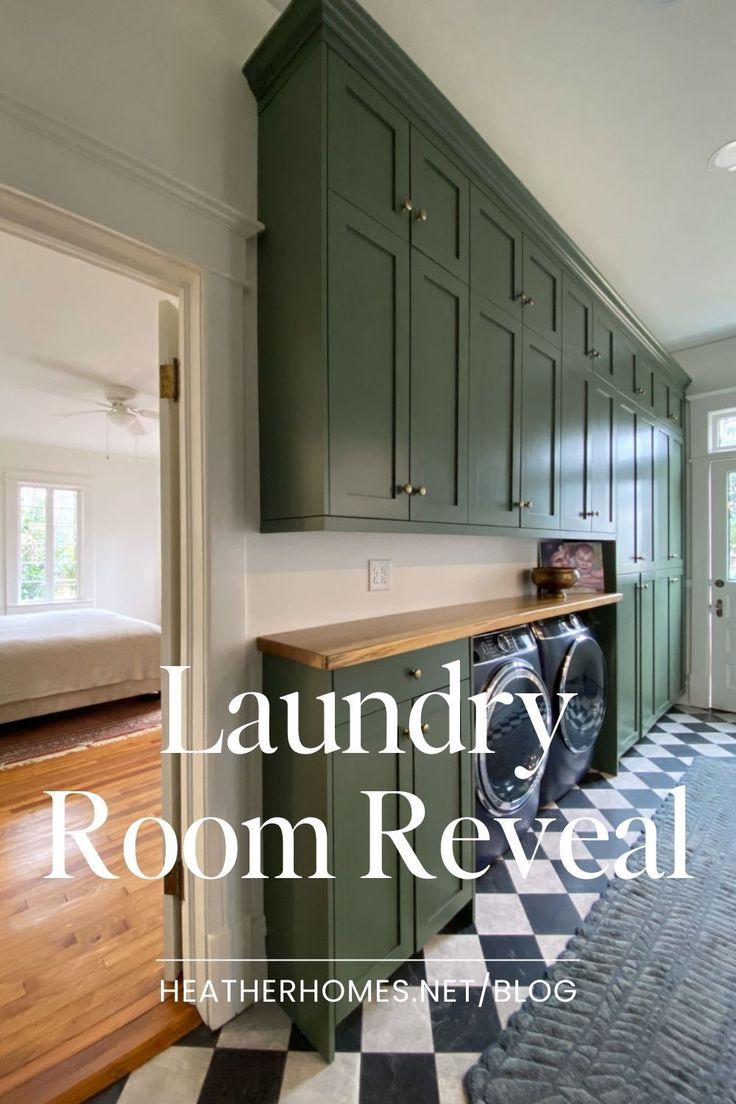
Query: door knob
x=407, y=488
x=638, y=390
x=719, y=608
x=407, y=205
x=425, y=727
x=594, y=354
x=416, y=673
x=719, y=583
x=675, y=417
x=422, y=215
x=422, y=490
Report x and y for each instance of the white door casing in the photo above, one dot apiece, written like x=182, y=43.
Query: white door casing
x=723, y=584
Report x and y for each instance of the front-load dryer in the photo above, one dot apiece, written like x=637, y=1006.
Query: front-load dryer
x=508, y=662
x=572, y=663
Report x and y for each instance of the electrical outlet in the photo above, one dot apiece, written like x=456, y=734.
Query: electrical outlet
x=379, y=574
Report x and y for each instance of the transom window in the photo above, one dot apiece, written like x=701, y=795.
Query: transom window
x=722, y=424
x=47, y=542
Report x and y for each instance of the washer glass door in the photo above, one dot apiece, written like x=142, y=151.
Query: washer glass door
x=511, y=740
x=583, y=673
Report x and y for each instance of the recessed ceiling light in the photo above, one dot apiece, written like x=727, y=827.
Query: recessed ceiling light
x=724, y=158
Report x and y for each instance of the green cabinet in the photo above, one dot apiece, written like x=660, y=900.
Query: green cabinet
x=541, y=292
x=603, y=347
x=541, y=380
x=626, y=699
x=587, y=457
x=314, y=925
x=676, y=495
x=494, y=414
x=644, y=493
x=496, y=254
x=676, y=607
x=626, y=426
x=577, y=321
x=439, y=394
x=625, y=366
x=369, y=353
x=661, y=442
x=440, y=206
x=368, y=148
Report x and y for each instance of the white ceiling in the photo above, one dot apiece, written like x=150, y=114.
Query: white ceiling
x=608, y=111
x=68, y=330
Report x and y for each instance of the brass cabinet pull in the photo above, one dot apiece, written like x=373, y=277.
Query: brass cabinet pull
x=524, y=299
x=422, y=215
x=675, y=417
x=416, y=673
x=407, y=488
x=642, y=586
x=594, y=354
x=638, y=390
x=674, y=555
x=407, y=205
x=675, y=578
x=422, y=490
x=425, y=727
x=596, y=513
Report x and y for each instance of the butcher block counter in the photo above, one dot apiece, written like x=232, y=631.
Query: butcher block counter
x=331, y=647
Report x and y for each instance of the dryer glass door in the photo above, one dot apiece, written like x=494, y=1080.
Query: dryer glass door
x=511, y=740
x=583, y=673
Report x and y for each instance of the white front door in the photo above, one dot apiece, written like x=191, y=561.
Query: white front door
x=723, y=584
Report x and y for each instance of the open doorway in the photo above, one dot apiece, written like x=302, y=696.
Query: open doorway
x=723, y=568
x=86, y=479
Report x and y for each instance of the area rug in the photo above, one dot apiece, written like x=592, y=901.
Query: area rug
x=654, y=1020
x=61, y=733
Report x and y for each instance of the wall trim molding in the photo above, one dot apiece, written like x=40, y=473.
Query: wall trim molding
x=78, y=141
x=711, y=394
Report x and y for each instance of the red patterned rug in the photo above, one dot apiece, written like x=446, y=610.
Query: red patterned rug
x=61, y=733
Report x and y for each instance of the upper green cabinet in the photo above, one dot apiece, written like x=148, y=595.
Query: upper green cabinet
x=494, y=414
x=369, y=354
x=495, y=254
x=440, y=206
x=368, y=148
x=415, y=306
x=676, y=487
x=439, y=394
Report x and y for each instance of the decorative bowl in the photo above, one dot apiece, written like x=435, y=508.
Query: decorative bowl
x=554, y=581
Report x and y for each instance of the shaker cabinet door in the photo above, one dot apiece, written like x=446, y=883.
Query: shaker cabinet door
x=494, y=414
x=542, y=287
x=627, y=662
x=495, y=254
x=577, y=322
x=626, y=489
x=676, y=585
x=602, y=353
x=644, y=493
x=439, y=394
x=440, y=217
x=540, y=438
x=368, y=148
x=675, y=492
x=601, y=443
x=368, y=367
x=574, y=510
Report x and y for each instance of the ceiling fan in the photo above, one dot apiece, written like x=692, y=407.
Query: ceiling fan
x=120, y=410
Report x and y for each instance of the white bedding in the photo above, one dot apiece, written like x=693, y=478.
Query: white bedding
x=46, y=656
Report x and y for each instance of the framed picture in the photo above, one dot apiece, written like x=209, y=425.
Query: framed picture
x=586, y=556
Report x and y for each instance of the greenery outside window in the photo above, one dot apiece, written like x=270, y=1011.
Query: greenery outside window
x=48, y=546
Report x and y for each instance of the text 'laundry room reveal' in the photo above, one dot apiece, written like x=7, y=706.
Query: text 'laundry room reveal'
x=413, y=810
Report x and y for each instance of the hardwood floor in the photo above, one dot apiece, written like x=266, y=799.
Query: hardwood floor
x=79, y=982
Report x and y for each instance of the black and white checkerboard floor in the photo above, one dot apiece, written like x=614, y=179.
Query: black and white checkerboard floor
x=416, y=1050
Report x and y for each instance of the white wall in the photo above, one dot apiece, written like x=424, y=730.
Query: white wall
x=125, y=522
x=712, y=366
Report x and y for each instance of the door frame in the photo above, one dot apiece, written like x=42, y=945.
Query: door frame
x=725, y=459
x=33, y=221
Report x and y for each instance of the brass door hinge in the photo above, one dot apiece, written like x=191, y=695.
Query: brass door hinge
x=168, y=387
x=174, y=881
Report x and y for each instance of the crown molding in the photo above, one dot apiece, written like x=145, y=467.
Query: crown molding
x=345, y=26
x=78, y=142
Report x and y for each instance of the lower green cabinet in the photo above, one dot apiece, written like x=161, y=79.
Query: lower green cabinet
x=352, y=928
x=649, y=651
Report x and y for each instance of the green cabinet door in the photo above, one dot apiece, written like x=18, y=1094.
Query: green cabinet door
x=676, y=408
x=577, y=321
x=439, y=393
x=542, y=291
x=373, y=918
x=368, y=148
x=676, y=584
x=600, y=461
x=574, y=510
x=660, y=474
x=495, y=254
x=626, y=489
x=602, y=353
x=660, y=396
x=644, y=493
x=627, y=663
x=675, y=490
x=541, y=386
x=494, y=414
x=647, y=647
x=368, y=367
x=661, y=585
x=440, y=217
x=444, y=782
x=624, y=365
x=643, y=382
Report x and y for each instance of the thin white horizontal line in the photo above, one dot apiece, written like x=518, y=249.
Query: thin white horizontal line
x=425, y=960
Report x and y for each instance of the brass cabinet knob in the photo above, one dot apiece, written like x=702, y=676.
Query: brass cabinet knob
x=422, y=215
x=674, y=555
x=407, y=205
x=422, y=490
x=416, y=673
x=524, y=299
x=594, y=354
x=638, y=390
x=407, y=488
x=583, y=513
x=674, y=417
x=675, y=578
x=528, y=505
x=596, y=513
x=405, y=732
x=425, y=727
x=524, y=504
x=643, y=586
x=639, y=557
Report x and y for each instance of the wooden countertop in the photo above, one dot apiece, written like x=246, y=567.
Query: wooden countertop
x=329, y=647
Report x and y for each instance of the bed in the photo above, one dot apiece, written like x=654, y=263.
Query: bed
x=66, y=659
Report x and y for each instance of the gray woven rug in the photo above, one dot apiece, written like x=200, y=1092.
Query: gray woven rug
x=654, y=1019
